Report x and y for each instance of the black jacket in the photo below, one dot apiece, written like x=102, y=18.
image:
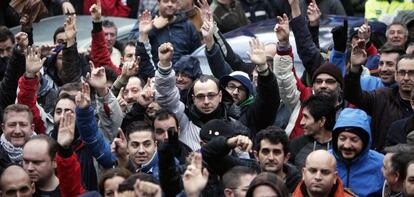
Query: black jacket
x=398, y=131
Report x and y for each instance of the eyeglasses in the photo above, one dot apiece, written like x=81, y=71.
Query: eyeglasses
x=231, y=87
x=402, y=73
x=210, y=96
x=327, y=81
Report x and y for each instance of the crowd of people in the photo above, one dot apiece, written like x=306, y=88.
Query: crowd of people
x=141, y=118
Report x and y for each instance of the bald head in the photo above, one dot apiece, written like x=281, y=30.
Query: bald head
x=319, y=173
x=321, y=156
x=15, y=180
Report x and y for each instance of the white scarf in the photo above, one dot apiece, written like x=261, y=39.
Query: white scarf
x=15, y=153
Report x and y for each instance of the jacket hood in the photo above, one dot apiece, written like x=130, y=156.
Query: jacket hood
x=359, y=122
x=189, y=65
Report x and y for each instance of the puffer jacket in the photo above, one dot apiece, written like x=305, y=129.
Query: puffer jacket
x=363, y=173
x=338, y=190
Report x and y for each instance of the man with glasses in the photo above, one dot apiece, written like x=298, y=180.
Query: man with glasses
x=384, y=105
x=204, y=99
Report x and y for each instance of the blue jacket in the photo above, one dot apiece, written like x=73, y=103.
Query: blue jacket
x=93, y=138
x=363, y=174
x=181, y=34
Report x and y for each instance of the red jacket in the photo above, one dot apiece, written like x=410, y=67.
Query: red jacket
x=100, y=55
x=109, y=7
x=28, y=96
x=339, y=190
x=69, y=175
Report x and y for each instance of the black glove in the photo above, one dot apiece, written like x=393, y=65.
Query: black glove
x=340, y=36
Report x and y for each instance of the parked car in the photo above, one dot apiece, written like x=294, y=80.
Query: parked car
x=43, y=31
x=263, y=30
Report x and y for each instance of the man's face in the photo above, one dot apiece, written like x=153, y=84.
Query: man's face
x=132, y=90
x=129, y=54
x=387, y=171
x=36, y=161
x=183, y=81
x=241, y=189
x=111, y=186
x=319, y=176
x=308, y=123
x=152, y=109
x=409, y=181
x=237, y=91
x=396, y=35
x=63, y=106
x=167, y=8
x=6, y=48
x=60, y=38
x=141, y=147
x=327, y=85
x=17, y=128
x=349, y=145
x=162, y=127
x=110, y=36
x=271, y=156
x=405, y=75
x=17, y=185
x=207, y=96
x=387, y=66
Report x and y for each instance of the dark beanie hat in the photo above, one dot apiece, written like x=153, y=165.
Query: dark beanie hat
x=241, y=77
x=330, y=69
x=221, y=127
x=189, y=65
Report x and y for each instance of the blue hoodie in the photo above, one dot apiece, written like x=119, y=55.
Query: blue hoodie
x=363, y=173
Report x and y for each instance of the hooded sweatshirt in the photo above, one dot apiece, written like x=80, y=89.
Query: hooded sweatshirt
x=363, y=173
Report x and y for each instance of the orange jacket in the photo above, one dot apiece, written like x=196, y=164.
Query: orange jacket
x=340, y=191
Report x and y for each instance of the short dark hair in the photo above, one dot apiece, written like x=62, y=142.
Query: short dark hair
x=52, y=145
x=58, y=31
x=231, y=179
x=138, y=126
x=399, y=163
x=129, y=43
x=17, y=108
x=164, y=114
x=389, y=48
x=275, y=135
x=108, y=23
x=204, y=78
x=6, y=34
x=321, y=106
x=128, y=184
x=406, y=56
x=73, y=86
x=113, y=172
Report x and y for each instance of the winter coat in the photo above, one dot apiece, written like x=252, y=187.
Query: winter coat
x=260, y=113
x=363, y=173
x=327, y=7
x=338, y=190
x=398, y=131
x=68, y=171
x=228, y=17
x=302, y=146
x=384, y=105
x=110, y=115
x=374, y=9
x=257, y=10
x=168, y=96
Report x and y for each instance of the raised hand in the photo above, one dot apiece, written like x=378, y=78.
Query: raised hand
x=204, y=7
x=97, y=77
x=240, y=141
x=147, y=189
x=70, y=30
x=364, y=32
x=47, y=50
x=195, y=177
x=145, y=22
x=340, y=36
x=159, y=22
x=130, y=68
x=282, y=29
x=257, y=54
x=120, y=147
x=83, y=98
x=33, y=62
x=146, y=96
x=314, y=14
x=96, y=11
x=66, y=132
x=358, y=55
x=22, y=41
x=121, y=100
x=165, y=54
x=67, y=8
x=207, y=30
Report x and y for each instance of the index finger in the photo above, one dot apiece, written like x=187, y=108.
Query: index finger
x=98, y=3
x=121, y=134
x=366, y=21
x=197, y=160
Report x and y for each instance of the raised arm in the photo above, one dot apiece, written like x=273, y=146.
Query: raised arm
x=71, y=69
